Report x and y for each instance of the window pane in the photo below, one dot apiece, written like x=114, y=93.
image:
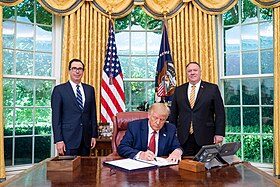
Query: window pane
x=43, y=92
x=232, y=64
x=124, y=61
x=24, y=36
x=138, y=45
x=138, y=67
x=267, y=91
x=231, y=17
x=137, y=92
x=266, y=35
x=267, y=61
x=127, y=94
x=152, y=66
x=151, y=92
x=153, y=42
x=266, y=13
x=233, y=120
x=8, y=34
x=42, y=16
x=251, y=119
x=122, y=42
x=232, y=39
x=250, y=63
x=24, y=121
x=43, y=121
x=8, y=61
x=252, y=148
x=122, y=23
x=43, y=64
x=138, y=21
x=232, y=92
x=8, y=121
x=43, y=39
x=153, y=24
x=250, y=92
x=23, y=150
x=249, y=11
x=8, y=85
x=249, y=37
x=42, y=148
x=267, y=120
x=268, y=149
x=24, y=92
x=8, y=151
x=26, y=10
x=9, y=12
x=24, y=63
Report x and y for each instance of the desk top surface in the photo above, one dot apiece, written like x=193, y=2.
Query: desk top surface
x=92, y=172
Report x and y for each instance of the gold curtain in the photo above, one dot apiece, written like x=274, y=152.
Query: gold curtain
x=214, y=7
x=85, y=38
x=192, y=37
x=2, y=160
x=11, y=3
x=61, y=7
x=276, y=117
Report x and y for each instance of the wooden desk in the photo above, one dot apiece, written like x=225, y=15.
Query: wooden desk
x=103, y=147
x=93, y=173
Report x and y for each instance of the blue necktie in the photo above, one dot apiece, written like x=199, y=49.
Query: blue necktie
x=79, y=97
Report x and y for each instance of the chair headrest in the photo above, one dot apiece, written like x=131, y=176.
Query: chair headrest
x=123, y=118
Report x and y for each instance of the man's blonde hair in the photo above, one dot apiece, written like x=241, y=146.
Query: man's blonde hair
x=160, y=109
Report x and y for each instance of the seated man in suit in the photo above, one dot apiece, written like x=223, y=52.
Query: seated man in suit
x=147, y=138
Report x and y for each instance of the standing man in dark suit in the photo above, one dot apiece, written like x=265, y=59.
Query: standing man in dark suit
x=137, y=141
x=74, y=114
x=199, y=117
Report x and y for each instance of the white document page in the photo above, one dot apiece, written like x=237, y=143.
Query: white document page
x=159, y=162
x=129, y=164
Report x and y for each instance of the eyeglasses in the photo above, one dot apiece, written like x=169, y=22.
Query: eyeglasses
x=77, y=69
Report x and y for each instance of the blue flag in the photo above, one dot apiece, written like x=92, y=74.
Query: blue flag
x=165, y=82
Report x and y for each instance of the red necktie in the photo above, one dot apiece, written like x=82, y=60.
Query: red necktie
x=152, y=144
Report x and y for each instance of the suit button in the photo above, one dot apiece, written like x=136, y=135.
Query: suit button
x=81, y=124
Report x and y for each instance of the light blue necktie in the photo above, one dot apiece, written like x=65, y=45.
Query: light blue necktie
x=79, y=97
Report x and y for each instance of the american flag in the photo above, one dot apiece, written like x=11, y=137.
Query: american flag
x=112, y=92
x=165, y=82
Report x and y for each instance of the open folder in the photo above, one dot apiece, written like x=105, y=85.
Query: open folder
x=128, y=164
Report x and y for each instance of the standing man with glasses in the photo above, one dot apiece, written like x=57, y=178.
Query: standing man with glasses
x=198, y=112
x=74, y=120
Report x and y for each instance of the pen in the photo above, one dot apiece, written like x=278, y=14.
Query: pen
x=154, y=157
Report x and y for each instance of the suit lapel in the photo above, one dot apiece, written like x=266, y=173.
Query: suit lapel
x=187, y=94
x=200, y=93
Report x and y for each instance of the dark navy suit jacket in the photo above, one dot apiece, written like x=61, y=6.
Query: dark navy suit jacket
x=207, y=115
x=136, y=139
x=71, y=124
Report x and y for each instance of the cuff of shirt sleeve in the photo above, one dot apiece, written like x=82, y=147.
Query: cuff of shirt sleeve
x=137, y=156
